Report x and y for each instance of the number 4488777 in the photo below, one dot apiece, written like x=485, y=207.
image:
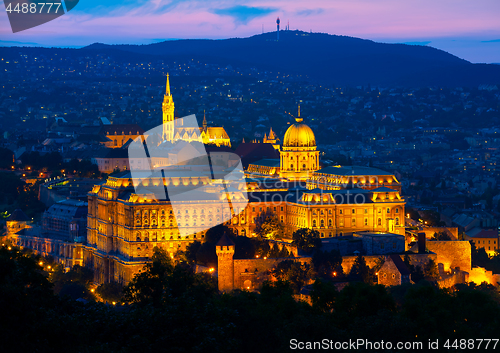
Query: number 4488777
x=34, y=7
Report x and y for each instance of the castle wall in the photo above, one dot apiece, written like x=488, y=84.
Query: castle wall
x=452, y=254
x=251, y=273
x=479, y=275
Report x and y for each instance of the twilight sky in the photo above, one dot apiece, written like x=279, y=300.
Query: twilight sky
x=469, y=29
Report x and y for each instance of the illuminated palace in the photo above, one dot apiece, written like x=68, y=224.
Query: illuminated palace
x=124, y=227
x=178, y=131
x=334, y=200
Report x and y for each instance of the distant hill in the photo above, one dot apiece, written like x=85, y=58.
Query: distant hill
x=328, y=58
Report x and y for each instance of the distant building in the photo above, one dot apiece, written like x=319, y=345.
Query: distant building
x=380, y=243
x=63, y=230
x=484, y=238
x=119, y=134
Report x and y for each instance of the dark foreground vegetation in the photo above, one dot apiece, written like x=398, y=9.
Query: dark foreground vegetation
x=169, y=308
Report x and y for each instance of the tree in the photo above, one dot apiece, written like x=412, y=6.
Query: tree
x=328, y=264
x=74, y=283
x=294, y=272
x=6, y=158
x=189, y=255
x=416, y=272
x=307, y=239
x=269, y=226
x=262, y=248
x=110, y=292
x=441, y=236
x=323, y=295
x=361, y=300
x=161, y=282
x=431, y=272
x=360, y=270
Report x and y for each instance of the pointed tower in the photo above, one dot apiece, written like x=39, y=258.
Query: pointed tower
x=272, y=139
x=225, y=263
x=168, y=114
x=204, y=122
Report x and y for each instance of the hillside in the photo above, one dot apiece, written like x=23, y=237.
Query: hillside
x=328, y=58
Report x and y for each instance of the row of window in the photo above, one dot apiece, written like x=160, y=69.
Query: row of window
x=353, y=222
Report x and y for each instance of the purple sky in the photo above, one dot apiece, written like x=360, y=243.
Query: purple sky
x=469, y=29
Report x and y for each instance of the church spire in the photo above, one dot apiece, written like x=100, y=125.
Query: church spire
x=168, y=109
x=298, y=118
x=204, y=121
x=167, y=91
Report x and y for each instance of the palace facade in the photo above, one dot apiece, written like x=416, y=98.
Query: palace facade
x=125, y=225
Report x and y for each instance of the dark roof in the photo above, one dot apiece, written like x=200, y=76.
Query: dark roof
x=19, y=216
x=267, y=162
x=251, y=152
x=215, y=149
x=399, y=264
x=486, y=233
x=225, y=241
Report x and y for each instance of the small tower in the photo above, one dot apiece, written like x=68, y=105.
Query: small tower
x=278, y=26
x=168, y=114
x=204, y=122
x=225, y=251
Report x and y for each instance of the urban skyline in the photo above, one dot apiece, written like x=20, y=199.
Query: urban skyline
x=469, y=31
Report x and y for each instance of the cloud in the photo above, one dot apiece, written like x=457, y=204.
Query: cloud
x=309, y=12
x=244, y=14
x=491, y=41
x=108, y=8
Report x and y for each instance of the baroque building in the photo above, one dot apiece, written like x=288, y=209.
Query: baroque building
x=127, y=219
x=124, y=225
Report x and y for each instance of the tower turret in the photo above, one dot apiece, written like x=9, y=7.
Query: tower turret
x=225, y=264
x=168, y=109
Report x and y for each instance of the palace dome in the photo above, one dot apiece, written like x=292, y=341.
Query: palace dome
x=299, y=135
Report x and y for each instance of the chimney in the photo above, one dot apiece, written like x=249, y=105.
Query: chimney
x=421, y=242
